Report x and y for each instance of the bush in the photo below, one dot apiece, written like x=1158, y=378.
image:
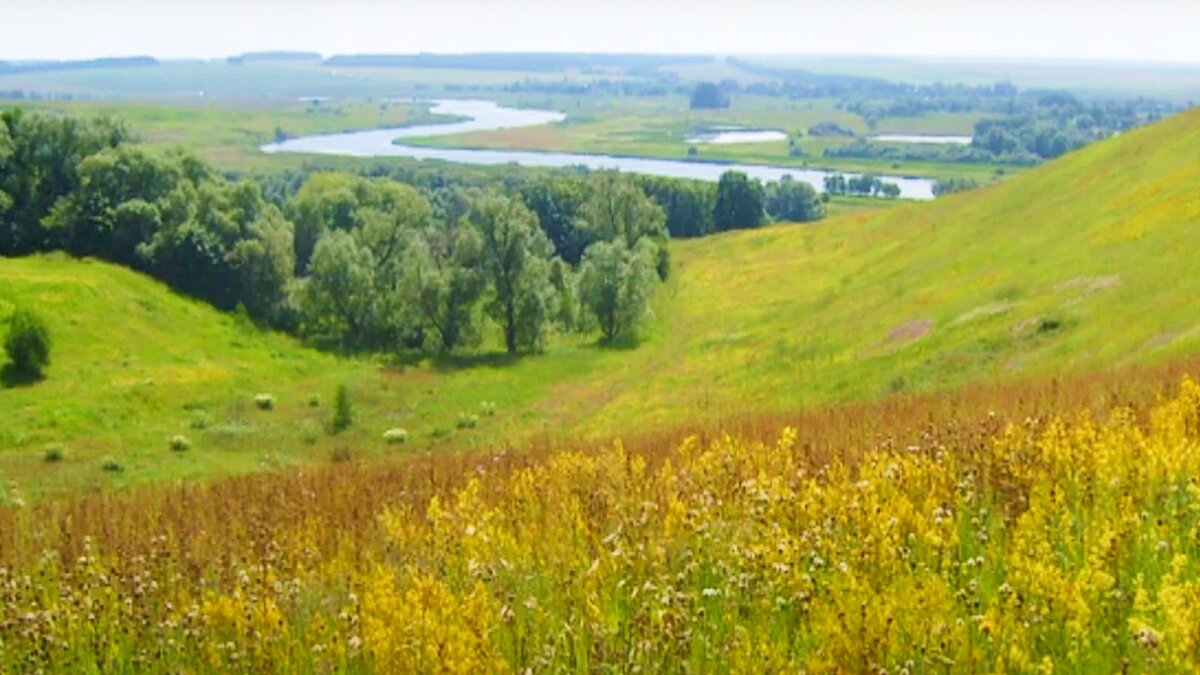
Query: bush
x=201, y=421
x=264, y=401
x=314, y=401
x=53, y=453
x=395, y=436
x=343, y=410
x=467, y=421
x=28, y=344
x=487, y=408
x=111, y=465
x=341, y=454
x=180, y=443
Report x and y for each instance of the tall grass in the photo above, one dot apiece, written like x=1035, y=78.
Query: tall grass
x=1053, y=530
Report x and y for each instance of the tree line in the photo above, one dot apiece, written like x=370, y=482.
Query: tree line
x=358, y=262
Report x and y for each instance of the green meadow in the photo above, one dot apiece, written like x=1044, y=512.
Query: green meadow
x=1071, y=267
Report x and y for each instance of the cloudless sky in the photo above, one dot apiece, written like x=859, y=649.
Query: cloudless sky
x=1139, y=30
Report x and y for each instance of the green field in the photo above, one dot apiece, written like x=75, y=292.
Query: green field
x=229, y=135
x=226, y=111
x=1070, y=267
x=660, y=127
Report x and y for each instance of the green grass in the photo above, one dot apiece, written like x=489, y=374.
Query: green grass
x=228, y=132
x=1081, y=264
x=660, y=127
x=229, y=135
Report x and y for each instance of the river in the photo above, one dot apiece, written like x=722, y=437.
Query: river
x=488, y=116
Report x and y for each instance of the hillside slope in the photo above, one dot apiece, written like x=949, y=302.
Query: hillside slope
x=1082, y=264
x=132, y=365
x=1086, y=262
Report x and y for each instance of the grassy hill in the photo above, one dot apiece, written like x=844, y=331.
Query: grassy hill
x=1081, y=264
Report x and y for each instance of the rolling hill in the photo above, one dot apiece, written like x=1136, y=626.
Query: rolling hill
x=1082, y=264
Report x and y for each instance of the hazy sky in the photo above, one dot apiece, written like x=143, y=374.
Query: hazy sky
x=1144, y=30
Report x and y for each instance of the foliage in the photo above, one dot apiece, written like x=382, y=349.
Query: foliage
x=557, y=201
x=688, y=204
x=264, y=401
x=708, y=96
x=27, y=344
x=963, y=545
x=615, y=283
x=395, y=436
x=516, y=257
x=793, y=201
x=947, y=186
x=618, y=210
x=740, y=202
x=865, y=185
x=180, y=443
x=444, y=281
x=343, y=410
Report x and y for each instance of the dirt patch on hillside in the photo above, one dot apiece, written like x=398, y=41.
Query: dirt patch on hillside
x=911, y=330
x=983, y=311
x=1089, y=285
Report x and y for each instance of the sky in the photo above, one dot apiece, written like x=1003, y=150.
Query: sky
x=1132, y=30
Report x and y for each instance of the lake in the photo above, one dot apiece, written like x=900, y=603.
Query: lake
x=489, y=116
x=922, y=138
x=731, y=136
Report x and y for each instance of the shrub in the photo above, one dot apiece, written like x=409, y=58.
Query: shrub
x=201, y=421
x=343, y=410
x=180, y=443
x=111, y=465
x=395, y=436
x=341, y=454
x=440, y=432
x=487, y=408
x=28, y=344
x=53, y=453
x=467, y=421
x=314, y=401
x=264, y=401
x=310, y=432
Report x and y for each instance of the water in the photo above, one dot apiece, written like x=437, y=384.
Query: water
x=739, y=136
x=487, y=116
x=923, y=138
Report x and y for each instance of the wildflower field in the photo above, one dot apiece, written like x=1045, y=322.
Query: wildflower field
x=977, y=536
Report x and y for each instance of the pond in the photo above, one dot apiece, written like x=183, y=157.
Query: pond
x=731, y=136
x=488, y=116
x=923, y=138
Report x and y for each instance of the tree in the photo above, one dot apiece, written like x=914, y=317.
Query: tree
x=337, y=300
x=27, y=344
x=264, y=266
x=791, y=200
x=619, y=210
x=557, y=201
x=44, y=152
x=740, y=202
x=443, y=284
x=615, y=284
x=116, y=205
x=688, y=204
x=6, y=151
x=343, y=410
x=708, y=96
x=516, y=254
x=835, y=184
